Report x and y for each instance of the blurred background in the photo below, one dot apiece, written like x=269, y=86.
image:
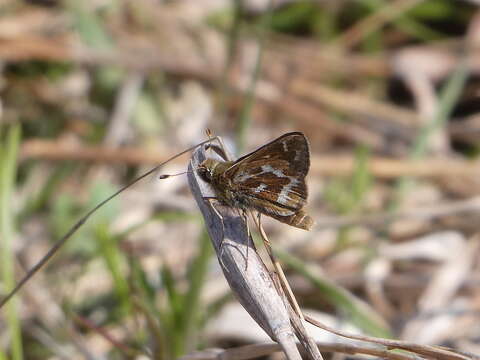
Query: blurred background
x=94, y=93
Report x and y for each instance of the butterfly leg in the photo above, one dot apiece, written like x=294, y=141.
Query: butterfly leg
x=211, y=200
x=265, y=239
x=222, y=146
x=244, y=216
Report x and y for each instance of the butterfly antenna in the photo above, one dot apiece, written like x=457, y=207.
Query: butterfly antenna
x=54, y=249
x=209, y=134
x=166, y=176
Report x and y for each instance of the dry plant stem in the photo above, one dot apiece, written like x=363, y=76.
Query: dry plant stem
x=247, y=276
x=124, y=107
x=310, y=115
x=27, y=47
x=296, y=315
x=424, y=213
x=403, y=120
x=428, y=351
x=86, y=323
x=326, y=165
x=298, y=325
x=387, y=13
x=59, y=243
x=278, y=268
x=257, y=350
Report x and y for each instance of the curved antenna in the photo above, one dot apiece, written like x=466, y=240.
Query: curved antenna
x=54, y=249
x=166, y=176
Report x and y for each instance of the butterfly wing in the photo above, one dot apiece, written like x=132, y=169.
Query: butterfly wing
x=291, y=147
x=272, y=179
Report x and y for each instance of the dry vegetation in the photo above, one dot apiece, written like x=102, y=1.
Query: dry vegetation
x=93, y=93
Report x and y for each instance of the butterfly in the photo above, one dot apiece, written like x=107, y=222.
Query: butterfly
x=270, y=180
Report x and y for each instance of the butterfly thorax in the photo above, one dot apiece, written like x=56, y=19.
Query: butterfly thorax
x=213, y=172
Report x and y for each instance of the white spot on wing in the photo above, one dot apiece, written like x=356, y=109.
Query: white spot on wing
x=303, y=218
x=286, y=212
x=284, y=196
x=297, y=155
x=285, y=147
x=260, y=188
x=270, y=169
x=241, y=177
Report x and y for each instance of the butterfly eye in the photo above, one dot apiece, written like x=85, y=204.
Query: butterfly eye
x=205, y=174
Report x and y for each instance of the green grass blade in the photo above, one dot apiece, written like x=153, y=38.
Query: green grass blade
x=192, y=303
x=346, y=195
x=175, y=298
x=449, y=96
x=171, y=316
x=406, y=22
x=114, y=261
x=233, y=38
x=245, y=115
x=89, y=26
x=357, y=311
x=447, y=100
x=8, y=169
x=38, y=200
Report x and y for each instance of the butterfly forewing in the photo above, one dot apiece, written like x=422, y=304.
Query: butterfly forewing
x=291, y=147
x=272, y=179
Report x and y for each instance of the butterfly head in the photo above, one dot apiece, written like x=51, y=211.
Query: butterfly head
x=206, y=170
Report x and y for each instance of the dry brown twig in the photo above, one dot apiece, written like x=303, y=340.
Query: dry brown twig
x=257, y=350
x=145, y=58
x=426, y=351
x=425, y=213
x=323, y=165
x=371, y=120
x=278, y=269
x=403, y=120
x=369, y=24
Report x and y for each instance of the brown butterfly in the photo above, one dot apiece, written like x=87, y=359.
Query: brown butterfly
x=270, y=180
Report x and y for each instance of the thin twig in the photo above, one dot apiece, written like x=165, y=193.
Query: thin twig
x=257, y=350
x=278, y=268
x=323, y=165
x=431, y=352
x=425, y=213
x=124, y=106
x=369, y=24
